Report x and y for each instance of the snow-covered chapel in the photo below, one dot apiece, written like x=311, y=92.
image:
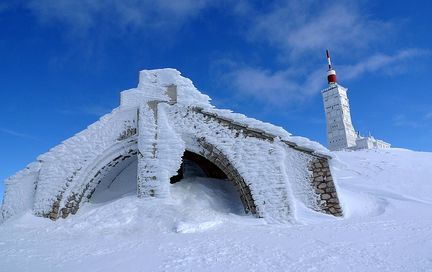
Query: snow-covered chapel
x=165, y=129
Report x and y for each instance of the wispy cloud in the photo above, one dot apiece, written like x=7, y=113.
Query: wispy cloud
x=282, y=87
x=275, y=88
x=382, y=62
x=298, y=27
x=299, y=31
x=116, y=15
x=16, y=134
x=419, y=120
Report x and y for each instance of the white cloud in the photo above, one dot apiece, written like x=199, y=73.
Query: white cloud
x=276, y=88
x=380, y=62
x=86, y=14
x=283, y=87
x=298, y=27
x=299, y=31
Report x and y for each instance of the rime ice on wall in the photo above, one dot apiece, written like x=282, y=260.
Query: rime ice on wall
x=249, y=155
x=170, y=149
x=64, y=165
x=157, y=121
x=296, y=165
x=160, y=152
x=20, y=190
x=147, y=161
x=153, y=85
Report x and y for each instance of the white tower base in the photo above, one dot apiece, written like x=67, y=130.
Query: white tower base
x=340, y=131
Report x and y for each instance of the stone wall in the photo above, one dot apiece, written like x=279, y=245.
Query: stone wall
x=320, y=175
x=217, y=157
x=70, y=203
x=257, y=159
x=321, y=178
x=322, y=182
x=75, y=199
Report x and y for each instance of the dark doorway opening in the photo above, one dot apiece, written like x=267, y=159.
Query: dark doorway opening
x=203, y=188
x=196, y=165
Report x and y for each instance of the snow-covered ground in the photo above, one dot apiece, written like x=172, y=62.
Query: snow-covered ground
x=386, y=194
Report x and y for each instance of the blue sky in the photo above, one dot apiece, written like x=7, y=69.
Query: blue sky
x=63, y=64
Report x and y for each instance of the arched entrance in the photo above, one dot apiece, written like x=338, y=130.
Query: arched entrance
x=119, y=181
x=203, y=189
x=119, y=178
x=194, y=164
x=117, y=163
x=213, y=164
x=116, y=175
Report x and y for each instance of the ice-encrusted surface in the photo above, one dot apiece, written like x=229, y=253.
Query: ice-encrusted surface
x=275, y=175
x=153, y=85
x=20, y=189
x=270, y=129
x=295, y=166
x=161, y=151
x=62, y=164
x=168, y=128
x=170, y=147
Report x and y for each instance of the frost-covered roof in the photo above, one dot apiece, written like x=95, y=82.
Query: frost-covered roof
x=153, y=84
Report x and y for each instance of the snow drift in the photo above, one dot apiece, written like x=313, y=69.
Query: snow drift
x=387, y=227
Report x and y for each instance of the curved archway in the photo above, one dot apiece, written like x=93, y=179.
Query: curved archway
x=224, y=168
x=121, y=157
x=191, y=161
x=119, y=181
x=111, y=163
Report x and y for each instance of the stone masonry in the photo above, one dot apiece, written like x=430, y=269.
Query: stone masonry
x=321, y=178
x=217, y=157
x=322, y=182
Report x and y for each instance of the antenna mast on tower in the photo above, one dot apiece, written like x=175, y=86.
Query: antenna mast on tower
x=331, y=73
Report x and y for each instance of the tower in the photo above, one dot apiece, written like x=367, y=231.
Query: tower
x=340, y=131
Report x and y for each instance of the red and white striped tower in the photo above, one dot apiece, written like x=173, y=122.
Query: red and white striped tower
x=331, y=73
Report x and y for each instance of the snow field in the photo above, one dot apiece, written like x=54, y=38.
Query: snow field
x=388, y=227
